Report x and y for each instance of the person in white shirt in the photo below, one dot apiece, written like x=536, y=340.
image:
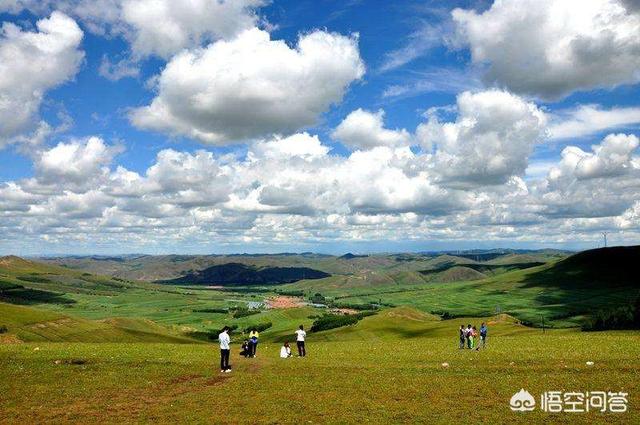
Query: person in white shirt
x=285, y=351
x=300, y=335
x=225, y=340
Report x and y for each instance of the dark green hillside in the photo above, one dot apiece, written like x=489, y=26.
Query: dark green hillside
x=350, y=256
x=596, y=268
x=241, y=274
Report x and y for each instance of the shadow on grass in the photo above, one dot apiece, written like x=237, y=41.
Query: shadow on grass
x=26, y=296
x=589, y=280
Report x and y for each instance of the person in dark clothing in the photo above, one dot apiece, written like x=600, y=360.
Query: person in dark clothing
x=462, y=337
x=244, y=350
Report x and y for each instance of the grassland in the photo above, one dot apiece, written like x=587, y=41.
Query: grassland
x=85, y=348
x=556, y=293
x=386, y=369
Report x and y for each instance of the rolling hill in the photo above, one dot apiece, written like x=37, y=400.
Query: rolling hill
x=168, y=267
x=560, y=293
x=240, y=274
x=27, y=324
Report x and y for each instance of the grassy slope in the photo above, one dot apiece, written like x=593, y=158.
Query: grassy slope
x=30, y=324
x=77, y=293
x=394, y=378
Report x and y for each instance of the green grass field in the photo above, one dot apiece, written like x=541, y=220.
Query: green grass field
x=386, y=369
x=82, y=348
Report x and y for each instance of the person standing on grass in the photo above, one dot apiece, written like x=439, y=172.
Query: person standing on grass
x=300, y=336
x=253, y=338
x=468, y=335
x=462, y=337
x=483, y=335
x=474, y=336
x=225, y=340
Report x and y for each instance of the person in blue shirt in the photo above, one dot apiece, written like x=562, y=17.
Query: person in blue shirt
x=483, y=335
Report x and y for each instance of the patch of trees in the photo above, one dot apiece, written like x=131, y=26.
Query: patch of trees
x=34, y=279
x=244, y=290
x=318, y=298
x=258, y=327
x=332, y=321
x=623, y=317
x=244, y=312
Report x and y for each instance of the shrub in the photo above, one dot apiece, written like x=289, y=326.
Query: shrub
x=209, y=335
x=290, y=293
x=3, y=329
x=444, y=315
x=360, y=307
x=211, y=310
x=244, y=312
x=260, y=327
x=318, y=298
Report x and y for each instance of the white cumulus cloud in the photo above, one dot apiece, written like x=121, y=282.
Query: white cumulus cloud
x=32, y=62
x=251, y=86
x=363, y=130
x=153, y=27
x=551, y=48
x=164, y=27
x=490, y=141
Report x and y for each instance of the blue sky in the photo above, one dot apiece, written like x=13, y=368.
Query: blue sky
x=403, y=126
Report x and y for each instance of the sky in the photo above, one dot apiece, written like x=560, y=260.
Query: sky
x=195, y=126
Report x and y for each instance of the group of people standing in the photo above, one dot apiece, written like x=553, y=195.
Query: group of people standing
x=249, y=346
x=469, y=337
